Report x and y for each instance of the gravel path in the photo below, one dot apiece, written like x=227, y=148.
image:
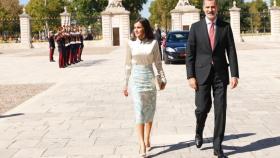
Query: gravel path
x=13, y=95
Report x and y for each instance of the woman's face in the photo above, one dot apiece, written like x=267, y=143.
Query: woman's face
x=139, y=31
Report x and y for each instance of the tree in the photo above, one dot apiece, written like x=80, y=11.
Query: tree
x=256, y=9
x=84, y=12
x=10, y=8
x=9, y=12
x=245, y=17
x=160, y=12
x=134, y=6
x=154, y=17
x=277, y=2
x=45, y=14
x=87, y=12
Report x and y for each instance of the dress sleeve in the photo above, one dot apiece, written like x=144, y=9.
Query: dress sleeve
x=127, y=63
x=157, y=61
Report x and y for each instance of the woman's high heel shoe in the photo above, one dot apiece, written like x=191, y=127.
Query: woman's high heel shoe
x=148, y=148
x=142, y=152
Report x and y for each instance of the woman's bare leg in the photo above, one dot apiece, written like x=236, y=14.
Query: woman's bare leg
x=148, y=128
x=140, y=131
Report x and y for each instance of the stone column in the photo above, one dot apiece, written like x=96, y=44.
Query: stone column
x=184, y=15
x=235, y=22
x=115, y=16
x=25, y=31
x=275, y=22
x=65, y=18
x=176, y=21
x=124, y=29
x=107, y=29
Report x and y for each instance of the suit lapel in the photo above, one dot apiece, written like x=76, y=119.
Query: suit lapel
x=205, y=34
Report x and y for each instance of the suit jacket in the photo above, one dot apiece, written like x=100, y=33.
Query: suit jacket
x=158, y=35
x=200, y=56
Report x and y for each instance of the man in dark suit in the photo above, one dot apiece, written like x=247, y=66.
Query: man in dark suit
x=158, y=38
x=210, y=40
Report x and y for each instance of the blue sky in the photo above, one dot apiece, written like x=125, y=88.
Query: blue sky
x=23, y=1
x=145, y=12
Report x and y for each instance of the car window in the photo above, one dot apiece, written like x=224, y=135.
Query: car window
x=177, y=37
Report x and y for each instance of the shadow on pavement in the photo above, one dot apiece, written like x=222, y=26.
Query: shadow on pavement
x=87, y=63
x=172, y=147
x=190, y=143
x=254, y=146
x=11, y=115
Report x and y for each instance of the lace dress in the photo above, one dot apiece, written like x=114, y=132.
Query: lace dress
x=140, y=57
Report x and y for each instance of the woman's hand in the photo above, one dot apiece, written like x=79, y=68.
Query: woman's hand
x=125, y=91
x=162, y=86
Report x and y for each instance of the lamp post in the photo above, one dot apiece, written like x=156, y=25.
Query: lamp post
x=74, y=22
x=264, y=20
x=46, y=22
x=251, y=22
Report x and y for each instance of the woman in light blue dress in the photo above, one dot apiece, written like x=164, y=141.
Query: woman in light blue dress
x=142, y=53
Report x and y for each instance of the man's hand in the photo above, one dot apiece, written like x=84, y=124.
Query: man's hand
x=233, y=82
x=193, y=83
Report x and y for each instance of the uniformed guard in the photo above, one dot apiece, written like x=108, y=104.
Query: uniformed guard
x=67, y=46
x=59, y=38
x=81, y=46
x=78, y=43
x=73, y=45
x=51, y=45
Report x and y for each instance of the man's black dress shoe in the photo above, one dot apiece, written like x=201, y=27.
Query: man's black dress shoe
x=198, y=140
x=219, y=154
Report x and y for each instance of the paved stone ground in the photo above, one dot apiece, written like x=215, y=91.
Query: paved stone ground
x=84, y=115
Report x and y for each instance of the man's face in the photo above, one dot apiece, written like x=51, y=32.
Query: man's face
x=210, y=9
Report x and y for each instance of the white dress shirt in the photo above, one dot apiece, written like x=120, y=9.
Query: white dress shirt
x=145, y=52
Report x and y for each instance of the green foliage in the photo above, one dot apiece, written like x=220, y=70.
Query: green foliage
x=9, y=20
x=256, y=10
x=160, y=12
x=87, y=12
x=84, y=12
x=9, y=9
x=277, y=3
x=45, y=15
x=254, y=15
x=134, y=6
x=154, y=17
x=197, y=4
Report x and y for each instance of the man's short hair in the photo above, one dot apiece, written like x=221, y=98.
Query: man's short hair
x=210, y=0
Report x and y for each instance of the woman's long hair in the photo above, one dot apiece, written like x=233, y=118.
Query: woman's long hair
x=147, y=28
